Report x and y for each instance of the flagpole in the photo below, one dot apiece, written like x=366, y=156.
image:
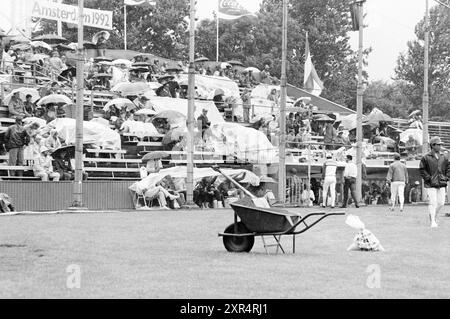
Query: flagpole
x=191, y=109
x=125, y=26
x=217, y=31
x=282, y=147
x=426, y=97
x=359, y=102
x=78, y=184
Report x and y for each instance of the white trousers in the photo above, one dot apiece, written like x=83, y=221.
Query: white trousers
x=329, y=184
x=398, y=188
x=436, y=200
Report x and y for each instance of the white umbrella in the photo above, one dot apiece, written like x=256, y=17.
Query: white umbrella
x=97, y=36
x=254, y=70
x=145, y=112
x=414, y=113
x=41, y=44
x=23, y=93
x=56, y=99
x=119, y=103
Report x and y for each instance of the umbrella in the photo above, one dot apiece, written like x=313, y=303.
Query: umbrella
x=119, y=103
x=23, y=93
x=73, y=46
x=145, y=112
x=128, y=89
x=21, y=47
x=377, y=116
x=139, y=69
x=54, y=98
x=219, y=92
x=414, y=113
x=41, y=44
x=97, y=36
x=69, y=149
x=51, y=39
x=171, y=116
x=66, y=72
x=235, y=62
x=166, y=77
x=323, y=118
x=64, y=47
x=141, y=64
x=202, y=59
x=254, y=70
x=225, y=65
x=127, y=63
x=174, y=68
x=154, y=156
x=102, y=59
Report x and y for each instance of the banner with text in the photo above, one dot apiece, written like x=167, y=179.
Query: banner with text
x=62, y=12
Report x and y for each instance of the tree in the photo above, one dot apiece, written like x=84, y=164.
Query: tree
x=257, y=42
x=410, y=66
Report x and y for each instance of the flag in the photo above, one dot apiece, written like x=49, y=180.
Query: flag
x=233, y=9
x=354, y=11
x=312, y=83
x=140, y=3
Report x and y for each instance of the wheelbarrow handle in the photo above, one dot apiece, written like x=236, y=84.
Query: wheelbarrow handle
x=217, y=169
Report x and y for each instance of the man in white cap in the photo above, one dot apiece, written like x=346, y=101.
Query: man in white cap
x=43, y=166
x=435, y=170
x=397, y=176
x=329, y=182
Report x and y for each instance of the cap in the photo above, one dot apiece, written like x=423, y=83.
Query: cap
x=417, y=183
x=329, y=155
x=436, y=140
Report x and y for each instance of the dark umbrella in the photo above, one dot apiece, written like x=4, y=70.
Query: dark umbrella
x=69, y=149
x=154, y=156
x=65, y=73
x=102, y=59
x=51, y=39
x=63, y=47
x=139, y=69
x=141, y=64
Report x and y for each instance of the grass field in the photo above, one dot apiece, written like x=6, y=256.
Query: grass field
x=177, y=254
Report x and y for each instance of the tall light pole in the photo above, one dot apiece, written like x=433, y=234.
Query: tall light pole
x=282, y=148
x=78, y=183
x=359, y=100
x=191, y=109
x=426, y=97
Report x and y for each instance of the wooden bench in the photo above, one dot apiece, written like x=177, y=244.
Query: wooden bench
x=111, y=153
x=134, y=139
x=126, y=162
x=177, y=162
x=7, y=120
x=10, y=169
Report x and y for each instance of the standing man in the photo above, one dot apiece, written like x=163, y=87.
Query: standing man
x=329, y=183
x=397, y=176
x=203, y=122
x=16, y=138
x=350, y=173
x=435, y=170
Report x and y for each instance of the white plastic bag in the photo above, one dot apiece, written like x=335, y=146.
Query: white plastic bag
x=364, y=240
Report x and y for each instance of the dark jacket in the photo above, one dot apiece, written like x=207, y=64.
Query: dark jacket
x=16, y=137
x=435, y=172
x=62, y=166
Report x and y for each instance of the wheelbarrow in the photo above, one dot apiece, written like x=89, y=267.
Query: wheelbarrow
x=254, y=217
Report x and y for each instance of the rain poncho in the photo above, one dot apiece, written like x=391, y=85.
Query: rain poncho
x=247, y=144
x=93, y=133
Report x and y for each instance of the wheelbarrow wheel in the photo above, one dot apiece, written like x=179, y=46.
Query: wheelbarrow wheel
x=237, y=244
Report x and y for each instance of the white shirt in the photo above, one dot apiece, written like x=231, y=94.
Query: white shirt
x=351, y=170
